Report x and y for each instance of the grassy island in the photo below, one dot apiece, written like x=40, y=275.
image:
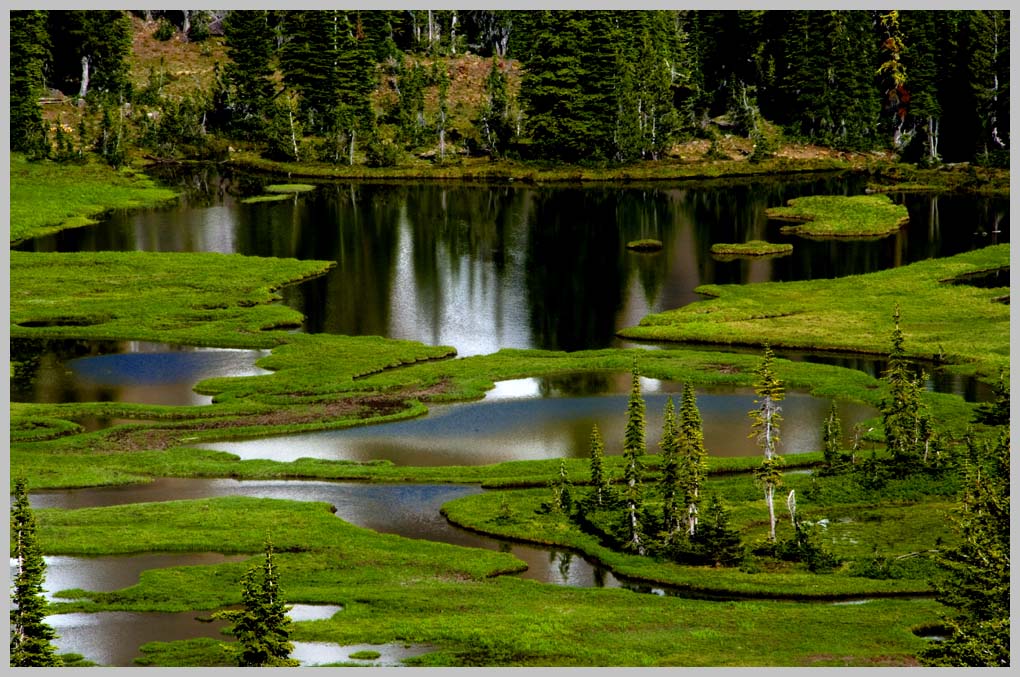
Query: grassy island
x=751, y=248
x=646, y=245
x=837, y=216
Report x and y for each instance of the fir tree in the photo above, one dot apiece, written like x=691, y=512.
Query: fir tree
x=561, y=499
x=29, y=53
x=599, y=477
x=996, y=412
x=718, y=542
x=495, y=122
x=410, y=84
x=765, y=422
x=262, y=627
x=976, y=580
x=903, y=412
x=90, y=51
x=633, y=450
x=692, y=454
x=670, y=448
x=31, y=637
x=250, y=47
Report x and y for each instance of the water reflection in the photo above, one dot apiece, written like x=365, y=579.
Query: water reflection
x=74, y=370
x=532, y=428
x=482, y=267
x=409, y=510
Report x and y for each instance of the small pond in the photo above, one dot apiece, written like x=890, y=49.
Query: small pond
x=531, y=419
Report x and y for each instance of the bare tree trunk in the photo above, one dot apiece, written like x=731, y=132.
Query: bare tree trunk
x=431, y=29
x=186, y=26
x=351, y=157
x=148, y=16
x=84, y=77
x=770, y=492
x=453, y=33
x=635, y=536
x=442, y=145
x=293, y=136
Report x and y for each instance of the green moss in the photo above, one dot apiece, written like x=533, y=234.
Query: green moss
x=365, y=655
x=838, y=216
x=265, y=198
x=47, y=197
x=855, y=313
x=750, y=248
x=646, y=245
x=289, y=188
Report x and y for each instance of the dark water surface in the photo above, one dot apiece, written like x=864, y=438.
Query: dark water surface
x=483, y=267
x=528, y=419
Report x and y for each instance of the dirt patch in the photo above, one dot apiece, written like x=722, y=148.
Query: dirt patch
x=885, y=661
x=723, y=368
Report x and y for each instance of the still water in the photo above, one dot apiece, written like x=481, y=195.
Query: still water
x=482, y=267
x=532, y=419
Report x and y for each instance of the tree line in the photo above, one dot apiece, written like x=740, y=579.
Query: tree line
x=596, y=86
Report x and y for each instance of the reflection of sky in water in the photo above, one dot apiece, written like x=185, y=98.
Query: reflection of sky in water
x=141, y=372
x=514, y=424
x=409, y=510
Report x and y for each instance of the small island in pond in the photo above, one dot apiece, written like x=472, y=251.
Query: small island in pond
x=830, y=216
x=750, y=248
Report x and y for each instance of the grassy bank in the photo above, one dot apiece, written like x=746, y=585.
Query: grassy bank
x=400, y=590
x=47, y=197
x=838, y=216
x=855, y=314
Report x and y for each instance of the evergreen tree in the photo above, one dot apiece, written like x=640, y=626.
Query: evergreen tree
x=262, y=627
x=976, y=580
x=599, y=476
x=633, y=450
x=31, y=637
x=923, y=109
x=356, y=65
x=561, y=499
x=996, y=412
x=832, y=439
x=495, y=122
x=716, y=540
x=442, y=77
x=765, y=422
x=90, y=51
x=410, y=84
x=903, y=413
x=250, y=46
x=693, y=457
x=670, y=450
x=986, y=34
x=29, y=54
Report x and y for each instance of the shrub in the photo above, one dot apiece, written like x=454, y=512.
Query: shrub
x=164, y=30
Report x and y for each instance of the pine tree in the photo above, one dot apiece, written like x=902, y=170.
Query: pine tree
x=410, y=84
x=996, y=412
x=495, y=121
x=31, y=637
x=902, y=409
x=561, y=498
x=765, y=422
x=692, y=454
x=670, y=482
x=90, y=51
x=250, y=47
x=716, y=539
x=262, y=627
x=30, y=53
x=599, y=477
x=976, y=580
x=923, y=107
x=633, y=450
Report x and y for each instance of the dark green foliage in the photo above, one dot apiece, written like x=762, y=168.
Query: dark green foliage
x=29, y=55
x=976, y=582
x=262, y=627
x=600, y=481
x=164, y=30
x=102, y=38
x=670, y=479
x=633, y=450
x=31, y=637
x=199, y=30
x=995, y=412
x=715, y=542
x=693, y=468
x=495, y=121
x=803, y=547
x=561, y=498
x=248, y=75
x=832, y=442
x=177, y=126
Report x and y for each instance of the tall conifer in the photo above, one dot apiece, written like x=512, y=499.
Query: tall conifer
x=633, y=450
x=765, y=423
x=31, y=637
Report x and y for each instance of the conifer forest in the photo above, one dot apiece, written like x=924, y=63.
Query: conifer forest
x=509, y=338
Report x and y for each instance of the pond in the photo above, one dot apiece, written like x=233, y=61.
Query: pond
x=550, y=417
x=483, y=267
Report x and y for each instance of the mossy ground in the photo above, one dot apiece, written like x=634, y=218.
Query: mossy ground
x=750, y=248
x=839, y=216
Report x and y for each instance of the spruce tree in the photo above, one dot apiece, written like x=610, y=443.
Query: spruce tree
x=262, y=627
x=765, y=423
x=633, y=450
x=250, y=46
x=670, y=482
x=599, y=476
x=31, y=644
x=716, y=540
x=903, y=412
x=975, y=583
x=495, y=121
x=692, y=455
x=30, y=53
